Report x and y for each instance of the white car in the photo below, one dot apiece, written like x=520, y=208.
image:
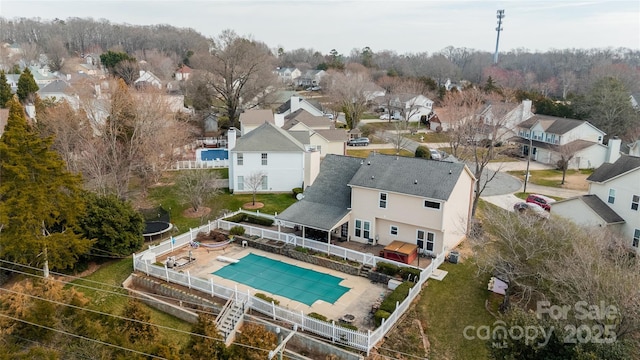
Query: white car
x=329, y=116
x=435, y=154
x=393, y=117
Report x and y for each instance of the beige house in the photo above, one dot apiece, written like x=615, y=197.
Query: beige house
x=613, y=200
x=385, y=198
x=251, y=119
x=322, y=134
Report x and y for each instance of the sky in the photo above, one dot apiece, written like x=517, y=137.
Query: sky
x=401, y=26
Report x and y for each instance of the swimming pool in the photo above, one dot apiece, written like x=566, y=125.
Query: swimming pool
x=279, y=278
x=212, y=154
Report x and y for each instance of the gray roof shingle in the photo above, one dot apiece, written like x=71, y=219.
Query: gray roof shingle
x=602, y=209
x=328, y=200
x=555, y=125
x=609, y=171
x=268, y=137
x=256, y=117
x=413, y=176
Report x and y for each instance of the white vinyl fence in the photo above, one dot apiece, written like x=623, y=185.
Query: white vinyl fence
x=359, y=340
x=193, y=164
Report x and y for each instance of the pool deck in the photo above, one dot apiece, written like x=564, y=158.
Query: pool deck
x=358, y=301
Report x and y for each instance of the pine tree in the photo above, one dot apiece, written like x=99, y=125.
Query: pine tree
x=27, y=86
x=40, y=201
x=5, y=90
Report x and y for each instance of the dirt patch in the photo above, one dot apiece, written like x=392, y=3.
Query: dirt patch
x=464, y=248
x=202, y=211
x=252, y=206
x=574, y=181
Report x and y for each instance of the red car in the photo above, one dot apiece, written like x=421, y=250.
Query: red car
x=544, y=201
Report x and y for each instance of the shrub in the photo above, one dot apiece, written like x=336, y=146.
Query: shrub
x=379, y=315
x=253, y=219
x=386, y=268
x=237, y=218
x=367, y=130
x=405, y=272
x=236, y=230
x=397, y=295
x=267, y=298
x=422, y=152
x=302, y=249
x=349, y=326
x=296, y=191
x=317, y=316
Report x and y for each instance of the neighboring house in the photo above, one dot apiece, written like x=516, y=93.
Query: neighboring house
x=288, y=75
x=613, y=200
x=12, y=80
x=449, y=85
x=251, y=119
x=294, y=104
x=324, y=137
x=4, y=117
x=506, y=116
x=551, y=136
x=411, y=106
x=41, y=75
x=386, y=198
x=373, y=91
x=635, y=101
x=59, y=90
x=279, y=157
x=310, y=78
x=147, y=78
x=183, y=73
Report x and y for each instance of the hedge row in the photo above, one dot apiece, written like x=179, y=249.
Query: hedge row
x=388, y=305
x=242, y=217
x=267, y=298
x=393, y=270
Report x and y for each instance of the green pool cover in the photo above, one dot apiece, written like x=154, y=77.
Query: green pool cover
x=279, y=278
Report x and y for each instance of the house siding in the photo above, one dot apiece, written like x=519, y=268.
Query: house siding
x=625, y=186
x=578, y=212
x=457, y=213
x=284, y=170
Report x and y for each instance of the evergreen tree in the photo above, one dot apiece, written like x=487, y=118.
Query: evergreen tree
x=40, y=202
x=140, y=330
x=5, y=90
x=209, y=345
x=27, y=86
x=113, y=223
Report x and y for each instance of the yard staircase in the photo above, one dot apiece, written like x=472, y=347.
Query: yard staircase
x=230, y=319
x=365, y=270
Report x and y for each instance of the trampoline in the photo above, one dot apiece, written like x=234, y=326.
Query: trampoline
x=153, y=228
x=279, y=278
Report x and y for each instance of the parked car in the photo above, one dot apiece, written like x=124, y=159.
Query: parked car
x=544, y=201
x=329, y=116
x=435, y=154
x=393, y=117
x=532, y=208
x=362, y=141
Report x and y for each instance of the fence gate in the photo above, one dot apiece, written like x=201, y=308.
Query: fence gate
x=291, y=239
x=368, y=259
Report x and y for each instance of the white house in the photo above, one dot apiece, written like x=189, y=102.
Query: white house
x=147, y=78
x=310, y=78
x=183, y=73
x=59, y=90
x=551, y=136
x=294, y=104
x=383, y=198
x=272, y=157
x=613, y=200
x=407, y=106
x=288, y=75
x=323, y=136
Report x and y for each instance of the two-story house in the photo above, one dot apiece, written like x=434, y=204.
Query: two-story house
x=252, y=119
x=550, y=138
x=294, y=104
x=288, y=75
x=613, y=200
x=311, y=78
x=323, y=136
x=183, y=73
x=382, y=199
x=412, y=107
x=277, y=156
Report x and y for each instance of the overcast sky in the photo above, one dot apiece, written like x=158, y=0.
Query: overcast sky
x=402, y=26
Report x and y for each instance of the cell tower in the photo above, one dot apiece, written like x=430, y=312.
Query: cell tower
x=500, y=16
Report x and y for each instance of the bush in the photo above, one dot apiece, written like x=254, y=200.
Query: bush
x=296, y=191
x=388, y=269
x=405, y=272
x=367, y=130
x=349, y=326
x=317, y=316
x=237, y=218
x=302, y=249
x=267, y=298
x=397, y=295
x=379, y=315
x=422, y=152
x=236, y=230
x=242, y=217
x=438, y=129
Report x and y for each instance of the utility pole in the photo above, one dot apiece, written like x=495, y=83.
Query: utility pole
x=500, y=16
x=526, y=174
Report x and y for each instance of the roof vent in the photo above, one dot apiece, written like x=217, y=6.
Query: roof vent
x=415, y=181
x=450, y=172
x=361, y=162
x=368, y=162
x=372, y=177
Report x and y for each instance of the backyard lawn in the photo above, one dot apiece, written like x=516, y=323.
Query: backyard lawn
x=363, y=153
x=553, y=177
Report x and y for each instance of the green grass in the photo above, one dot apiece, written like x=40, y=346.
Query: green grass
x=523, y=196
x=430, y=137
x=449, y=306
x=110, y=298
x=551, y=177
x=272, y=202
x=363, y=153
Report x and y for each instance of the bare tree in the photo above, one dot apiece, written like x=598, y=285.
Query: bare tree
x=238, y=70
x=349, y=93
x=255, y=182
x=196, y=187
x=566, y=153
x=398, y=136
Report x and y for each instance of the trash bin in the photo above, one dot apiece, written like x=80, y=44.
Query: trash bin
x=453, y=257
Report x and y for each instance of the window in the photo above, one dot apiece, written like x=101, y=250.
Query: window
x=383, y=200
x=264, y=158
x=240, y=159
x=612, y=196
x=431, y=204
x=635, y=201
x=363, y=229
x=425, y=240
x=240, y=182
x=394, y=230
x=265, y=183
x=636, y=238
